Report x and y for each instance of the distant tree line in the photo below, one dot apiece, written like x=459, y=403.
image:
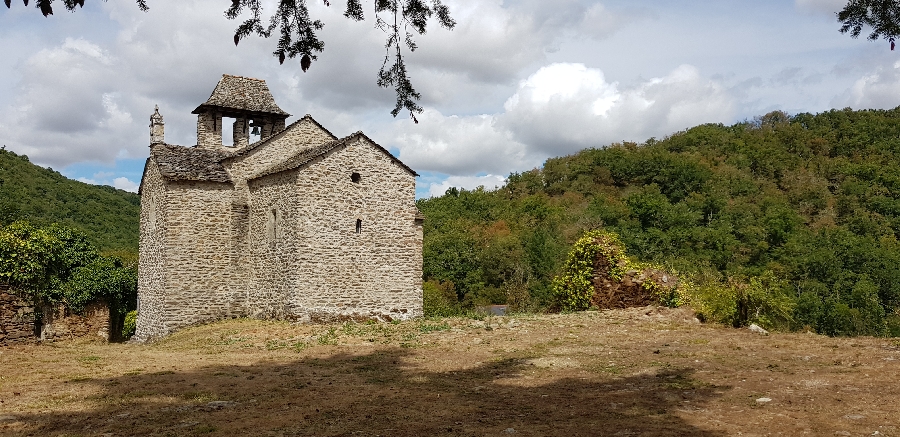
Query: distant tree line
x=106, y=215
x=790, y=221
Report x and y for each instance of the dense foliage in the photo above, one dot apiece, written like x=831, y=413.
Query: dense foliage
x=54, y=264
x=109, y=217
x=788, y=221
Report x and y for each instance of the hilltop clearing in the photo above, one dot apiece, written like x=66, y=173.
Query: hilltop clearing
x=641, y=371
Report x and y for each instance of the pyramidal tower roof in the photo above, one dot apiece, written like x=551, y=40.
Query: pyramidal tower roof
x=236, y=95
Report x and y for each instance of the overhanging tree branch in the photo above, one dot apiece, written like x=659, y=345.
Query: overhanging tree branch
x=882, y=16
x=297, y=33
x=298, y=36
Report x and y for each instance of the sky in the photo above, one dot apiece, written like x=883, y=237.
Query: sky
x=516, y=82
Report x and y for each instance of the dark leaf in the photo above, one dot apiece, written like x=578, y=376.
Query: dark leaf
x=7, y=2
x=305, y=63
x=26, y=2
x=46, y=9
x=281, y=57
x=354, y=10
x=237, y=39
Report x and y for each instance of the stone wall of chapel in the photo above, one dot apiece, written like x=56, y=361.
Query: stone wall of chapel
x=201, y=284
x=151, y=260
x=304, y=135
x=272, y=248
x=335, y=272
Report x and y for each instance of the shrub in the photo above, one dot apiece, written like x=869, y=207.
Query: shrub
x=129, y=325
x=763, y=300
x=439, y=299
x=573, y=288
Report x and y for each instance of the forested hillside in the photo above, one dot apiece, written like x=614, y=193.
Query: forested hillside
x=806, y=205
x=109, y=217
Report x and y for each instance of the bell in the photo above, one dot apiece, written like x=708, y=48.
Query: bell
x=255, y=130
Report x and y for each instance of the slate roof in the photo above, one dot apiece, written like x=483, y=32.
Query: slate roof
x=178, y=163
x=310, y=154
x=242, y=94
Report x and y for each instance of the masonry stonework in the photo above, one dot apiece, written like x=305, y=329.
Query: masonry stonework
x=20, y=322
x=299, y=225
x=17, y=318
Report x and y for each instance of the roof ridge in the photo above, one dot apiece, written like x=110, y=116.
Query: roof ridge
x=253, y=146
x=303, y=157
x=243, y=77
x=307, y=155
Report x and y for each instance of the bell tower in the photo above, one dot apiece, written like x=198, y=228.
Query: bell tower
x=249, y=102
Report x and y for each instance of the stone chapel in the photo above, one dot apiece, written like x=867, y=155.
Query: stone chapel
x=299, y=225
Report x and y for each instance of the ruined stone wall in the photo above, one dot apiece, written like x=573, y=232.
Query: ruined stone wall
x=630, y=291
x=151, y=260
x=16, y=318
x=335, y=272
x=60, y=324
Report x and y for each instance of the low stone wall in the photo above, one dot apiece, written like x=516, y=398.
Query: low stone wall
x=16, y=318
x=17, y=321
x=60, y=324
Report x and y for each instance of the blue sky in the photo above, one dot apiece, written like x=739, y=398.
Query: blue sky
x=515, y=83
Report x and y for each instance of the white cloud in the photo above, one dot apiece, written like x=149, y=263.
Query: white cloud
x=459, y=145
x=67, y=109
x=560, y=109
x=488, y=182
x=102, y=178
x=878, y=89
x=601, y=22
x=124, y=183
x=565, y=107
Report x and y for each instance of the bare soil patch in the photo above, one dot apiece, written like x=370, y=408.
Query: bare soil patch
x=644, y=371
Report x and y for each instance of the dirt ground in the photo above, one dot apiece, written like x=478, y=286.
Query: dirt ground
x=644, y=371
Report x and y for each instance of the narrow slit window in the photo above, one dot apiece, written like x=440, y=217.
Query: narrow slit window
x=355, y=177
x=358, y=226
x=272, y=224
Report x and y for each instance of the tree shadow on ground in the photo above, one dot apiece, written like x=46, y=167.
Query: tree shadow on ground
x=381, y=393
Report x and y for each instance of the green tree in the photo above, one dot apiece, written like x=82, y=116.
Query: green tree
x=55, y=264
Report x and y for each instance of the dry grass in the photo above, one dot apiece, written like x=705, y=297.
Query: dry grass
x=627, y=372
